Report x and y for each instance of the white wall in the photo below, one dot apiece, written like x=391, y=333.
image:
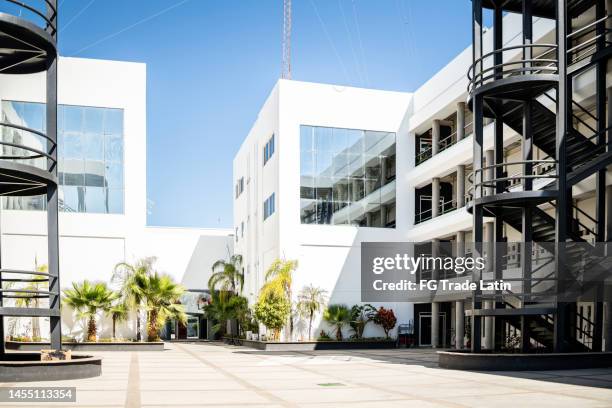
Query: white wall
x=328, y=256
x=92, y=244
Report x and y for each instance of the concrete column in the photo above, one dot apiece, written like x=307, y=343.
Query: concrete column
x=460, y=120
x=368, y=219
x=435, y=324
x=367, y=186
x=383, y=171
x=459, y=324
x=489, y=245
x=609, y=213
x=489, y=329
x=607, y=326
x=489, y=173
x=355, y=189
x=435, y=197
x=383, y=215
x=435, y=137
x=460, y=187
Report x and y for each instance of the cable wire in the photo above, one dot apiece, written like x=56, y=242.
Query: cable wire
x=365, y=67
x=350, y=38
x=123, y=30
x=329, y=39
x=65, y=26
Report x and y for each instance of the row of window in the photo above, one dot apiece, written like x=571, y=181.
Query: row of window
x=268, y=152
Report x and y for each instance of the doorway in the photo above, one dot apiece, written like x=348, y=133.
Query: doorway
x=425, y=329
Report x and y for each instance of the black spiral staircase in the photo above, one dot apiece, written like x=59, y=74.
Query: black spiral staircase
x=519, y=86
x=28, y=159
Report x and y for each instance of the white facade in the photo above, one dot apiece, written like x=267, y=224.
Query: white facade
x=92, y=244
x=329, y=255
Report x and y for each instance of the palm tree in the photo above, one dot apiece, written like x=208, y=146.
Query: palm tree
x=310, y=300
x=88, y=299
x=118, y=312
x=162, y=299
x=227, y=276
x=361, y=315
x=279, y=278
x=132, y=278
x=28, y=299
x=337, y=315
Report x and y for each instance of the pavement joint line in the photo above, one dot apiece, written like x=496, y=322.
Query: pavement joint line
x=273, y=398
x=132, y=395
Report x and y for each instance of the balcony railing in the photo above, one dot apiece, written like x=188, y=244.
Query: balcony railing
x=443, y=208
x=443, y=144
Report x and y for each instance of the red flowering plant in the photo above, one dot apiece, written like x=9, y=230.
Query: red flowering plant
x=386, y=319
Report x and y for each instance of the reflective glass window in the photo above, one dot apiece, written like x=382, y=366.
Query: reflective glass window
x=345, y=177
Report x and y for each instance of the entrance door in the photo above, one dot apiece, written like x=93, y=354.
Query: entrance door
x=193, y=327
x=425, y=329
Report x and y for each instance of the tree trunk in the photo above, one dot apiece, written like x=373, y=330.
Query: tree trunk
x=138, y=337
x=339, y=333
x=310, y=327
x=114, y=324
x=152, y=326
x=91, y=329
x=36, y=323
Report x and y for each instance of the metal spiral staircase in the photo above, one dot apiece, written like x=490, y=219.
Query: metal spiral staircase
x=28, y=157
x=528, y=88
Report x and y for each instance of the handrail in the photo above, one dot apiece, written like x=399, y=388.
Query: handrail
x=50, y=21
x=492, y=183
x=34, y=153
x=477, y=78
x=594, y=23
x=582, y=108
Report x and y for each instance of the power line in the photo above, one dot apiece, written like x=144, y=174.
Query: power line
x=365, y=67
x=123, y=30
x=62, y=28
x=350, y=38
x=329, y=39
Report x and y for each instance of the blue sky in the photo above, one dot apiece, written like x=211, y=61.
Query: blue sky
x=212, y=63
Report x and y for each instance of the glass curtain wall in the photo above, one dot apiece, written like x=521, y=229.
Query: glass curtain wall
x=90, y=152
x=347, y=177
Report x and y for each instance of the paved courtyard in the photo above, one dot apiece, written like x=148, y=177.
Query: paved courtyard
x=211, y=374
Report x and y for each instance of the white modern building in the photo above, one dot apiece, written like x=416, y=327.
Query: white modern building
x=102, y=139
x=325, y=168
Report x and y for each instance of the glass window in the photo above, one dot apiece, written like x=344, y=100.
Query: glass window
x=343, y=180
x=115, y=201
x=95, y=200
x=90, y=153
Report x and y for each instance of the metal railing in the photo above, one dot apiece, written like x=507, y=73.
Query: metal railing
x=443, y=208
x=443, y=144
x=20, y=151
x=44, y=10
x=479, y=75
x=540, y=169
x=586, y=40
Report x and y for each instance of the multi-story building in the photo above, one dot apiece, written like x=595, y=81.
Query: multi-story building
x=462, y=159
x=315, y=177
x=101, y=177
